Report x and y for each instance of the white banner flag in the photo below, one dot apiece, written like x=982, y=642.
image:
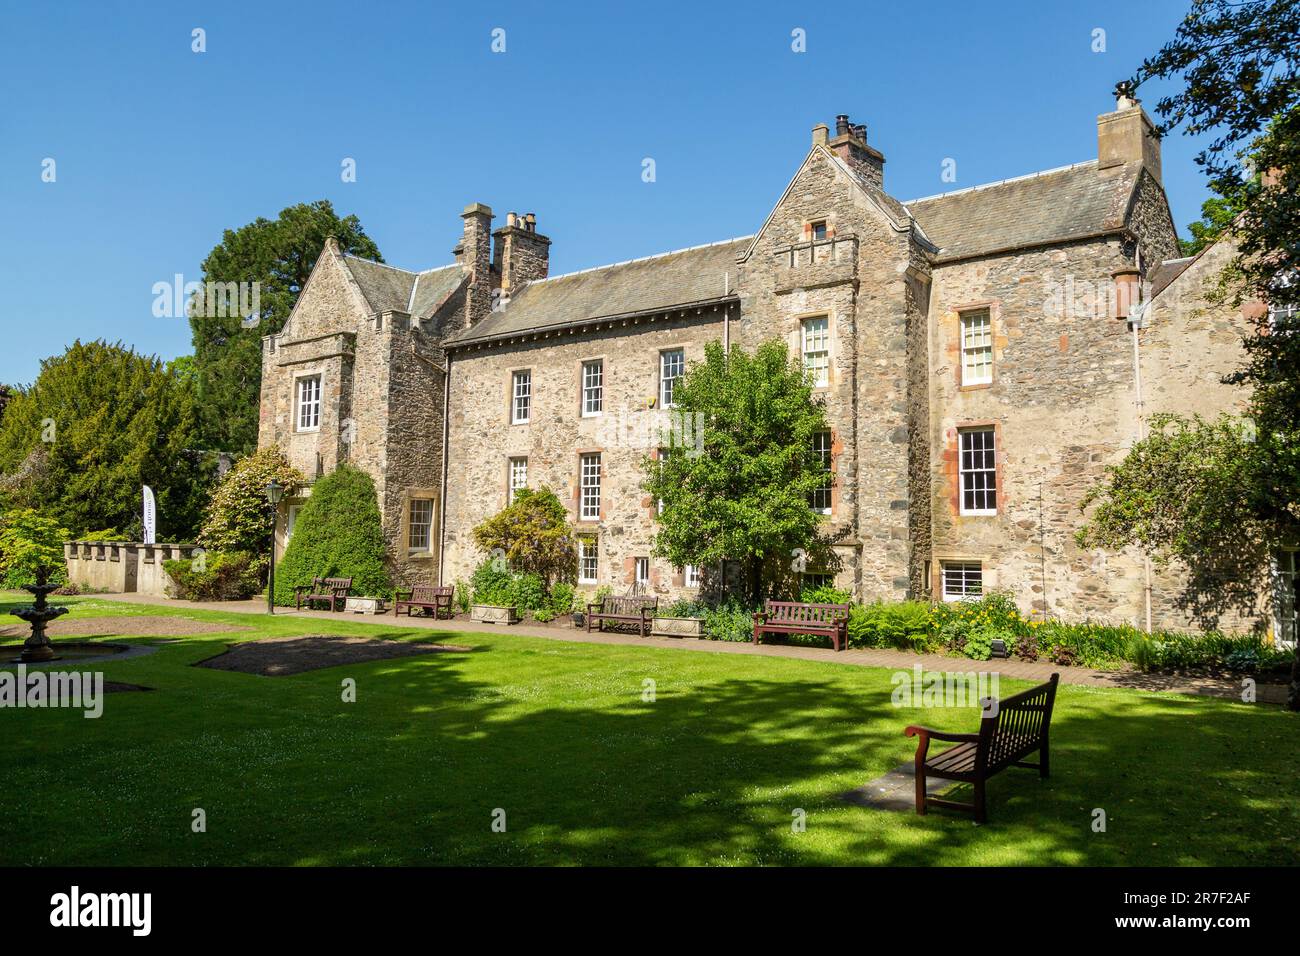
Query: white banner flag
x=149, y=516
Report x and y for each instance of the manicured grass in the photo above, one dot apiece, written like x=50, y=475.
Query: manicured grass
x=557, y=734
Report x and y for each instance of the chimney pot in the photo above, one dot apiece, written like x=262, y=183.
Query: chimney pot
x=841, y=124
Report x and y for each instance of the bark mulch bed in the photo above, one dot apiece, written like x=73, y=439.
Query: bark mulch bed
x=125, y=625
x=281, y=656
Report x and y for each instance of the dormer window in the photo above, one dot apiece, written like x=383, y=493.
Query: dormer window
x=818, y=229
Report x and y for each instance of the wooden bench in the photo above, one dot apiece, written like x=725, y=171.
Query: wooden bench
x=333, y=590
x=624, y=610
x=426, y=597
x=792, y=617
x=1010, y=731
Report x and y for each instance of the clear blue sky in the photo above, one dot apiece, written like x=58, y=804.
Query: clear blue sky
x=158, y=149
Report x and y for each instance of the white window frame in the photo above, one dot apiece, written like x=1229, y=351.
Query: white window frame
x=593, y=388
x=691, y=576
x=816, y=348
x=641, y=572
x=976, y=347
x=588, y=555
x=517, y=472
x=589, y=476
x=424, y=521
x=666, y=380
x=290, y=520
x=977, y=467
x=823, y=498
x=815, y=579
x=968, y=576
x=1286, y=607
x=521, y=396
x=307, y=408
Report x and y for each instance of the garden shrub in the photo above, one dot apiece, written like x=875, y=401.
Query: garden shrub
x=532, y=535
x=28, y=541
x=563, y=597
x=732, y=620
x=493, y=583
x=685, y=608
x=109, y=534
x=218, y=577
x=826, y=594
x=238, y=516
x=905, y=624
x=461, y=598
x=338, y=535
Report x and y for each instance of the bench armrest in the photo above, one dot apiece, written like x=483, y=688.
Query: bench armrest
x=927, y=734
x=300, y=588
x=760, y=617
x=397, y=595
x=597, y=606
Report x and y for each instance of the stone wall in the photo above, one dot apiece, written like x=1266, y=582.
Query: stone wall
x=123, y=567
x=483, y=439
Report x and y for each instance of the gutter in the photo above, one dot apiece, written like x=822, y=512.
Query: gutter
x=442, y=504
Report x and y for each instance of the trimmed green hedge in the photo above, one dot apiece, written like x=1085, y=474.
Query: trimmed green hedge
x=338, y=534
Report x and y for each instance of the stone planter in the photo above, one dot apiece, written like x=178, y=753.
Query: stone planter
x=489, y=614
x=365, y=605
x=678, y=627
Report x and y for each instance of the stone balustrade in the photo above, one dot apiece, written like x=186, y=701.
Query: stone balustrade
x=123, y=566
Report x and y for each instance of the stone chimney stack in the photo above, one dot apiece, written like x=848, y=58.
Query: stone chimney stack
x=850, y=144
x=520, y=255
x=474, y=255
x=1127, y=135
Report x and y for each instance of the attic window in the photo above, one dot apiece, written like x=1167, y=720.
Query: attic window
x=818, y=230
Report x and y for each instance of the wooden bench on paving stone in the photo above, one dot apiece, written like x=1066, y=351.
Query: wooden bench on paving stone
x=426, y=597
x=333, y=590
x=624, y=610
x=792, y=617
x=1010, y=731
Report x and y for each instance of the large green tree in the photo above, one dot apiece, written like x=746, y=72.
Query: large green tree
x=99, y=422
x=739, y=486
x=278, y=255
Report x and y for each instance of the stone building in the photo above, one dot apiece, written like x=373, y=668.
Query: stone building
x=970, y=347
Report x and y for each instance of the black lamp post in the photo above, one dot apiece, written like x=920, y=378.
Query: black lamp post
x=274, y=492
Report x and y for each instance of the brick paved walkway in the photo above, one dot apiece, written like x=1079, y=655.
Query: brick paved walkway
x=864, y=657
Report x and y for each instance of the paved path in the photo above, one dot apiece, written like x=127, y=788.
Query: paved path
x=864, y=657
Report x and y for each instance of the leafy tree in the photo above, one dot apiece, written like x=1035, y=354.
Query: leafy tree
x=1192, y=491
x=338, y=534
x=278, y=255
x=239, y=516
x=533, y=535
x=99, y=422
x=28, y=541
x=1217, y=216
x=741, y=489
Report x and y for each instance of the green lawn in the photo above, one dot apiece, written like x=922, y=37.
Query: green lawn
x=557, y=734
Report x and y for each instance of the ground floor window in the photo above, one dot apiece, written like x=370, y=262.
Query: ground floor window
x=691, y=576
x=1286, y=602
x=588, y=561
x=962, y=579
x=420, y=525
x=642, y=572
x=289, y=523
x=812, y=580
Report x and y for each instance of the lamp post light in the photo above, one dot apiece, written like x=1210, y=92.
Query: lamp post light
x=274, y=492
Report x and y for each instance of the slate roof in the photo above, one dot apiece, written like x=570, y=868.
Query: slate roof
x=1047, y=207
x=684, y=277
x=387, y=288
x=1165, y=273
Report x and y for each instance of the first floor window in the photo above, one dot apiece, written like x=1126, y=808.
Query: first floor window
x=588, y=560
x=421, y=524
x=817, y=349
x=672, y=366
x=962, y=579
x=818, y=230
x=976, y=348
x=978, y=468
x=521, y=402
x=518, y=477
x=590, y=487
x=821, y=497
x=308, y=403
x=1286, y=603
x=593, y=387
x=691, y=576
x=642, y=572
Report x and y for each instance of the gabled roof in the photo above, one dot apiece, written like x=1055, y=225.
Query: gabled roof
x=1044, y=208
x=1165, y=273
x=681, y=278
x=387, y=288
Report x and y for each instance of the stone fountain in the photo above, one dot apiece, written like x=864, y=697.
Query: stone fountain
x=37, y=649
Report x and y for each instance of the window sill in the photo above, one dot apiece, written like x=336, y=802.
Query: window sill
x=978, y=514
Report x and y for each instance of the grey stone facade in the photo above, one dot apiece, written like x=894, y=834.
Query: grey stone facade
x=418, y=370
